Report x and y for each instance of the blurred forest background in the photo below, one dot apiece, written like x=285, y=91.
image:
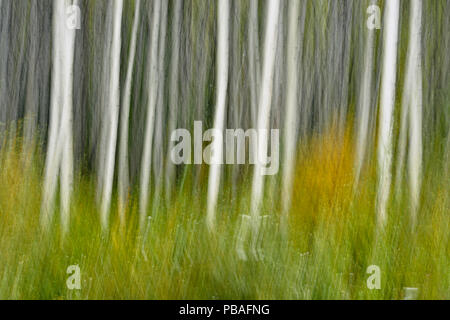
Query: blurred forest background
x=87, y=107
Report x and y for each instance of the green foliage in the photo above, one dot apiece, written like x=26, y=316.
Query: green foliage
x=332, y=240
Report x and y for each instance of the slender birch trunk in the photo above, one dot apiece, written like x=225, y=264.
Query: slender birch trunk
x=219, y=119
x=66, y=148
x=103, y=111
x=52, y=168
x=236, y=85
x=387, y=107
x=60, y=149
x=265, y=101
x=173, y=97
x=254, y=64
x=365, y=99
x=415, y=115
x=158, y=153
x=150, y=120
x=124, y=179
x=291, y=108
x=113, y=113
x=403, y=134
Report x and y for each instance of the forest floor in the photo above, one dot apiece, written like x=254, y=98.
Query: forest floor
x=331, y=241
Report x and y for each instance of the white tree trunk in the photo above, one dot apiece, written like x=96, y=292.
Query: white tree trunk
x=123, y=183
x=411, y=116
x=173, y=97
x=265, y=101
x=415, y=115
x=290, y=127
x=102, y=125
x=387, y=106
x=52, y=168
x=113, y=113
x=403, y=135
x=158, y=153
x=66, y=146
x=254, y=65
x=236, y=84
x=219, y=119
x=60, y=147
x=150, y=120
x=364, y=104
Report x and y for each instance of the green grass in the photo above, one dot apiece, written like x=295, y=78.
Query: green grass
x=332, y=239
